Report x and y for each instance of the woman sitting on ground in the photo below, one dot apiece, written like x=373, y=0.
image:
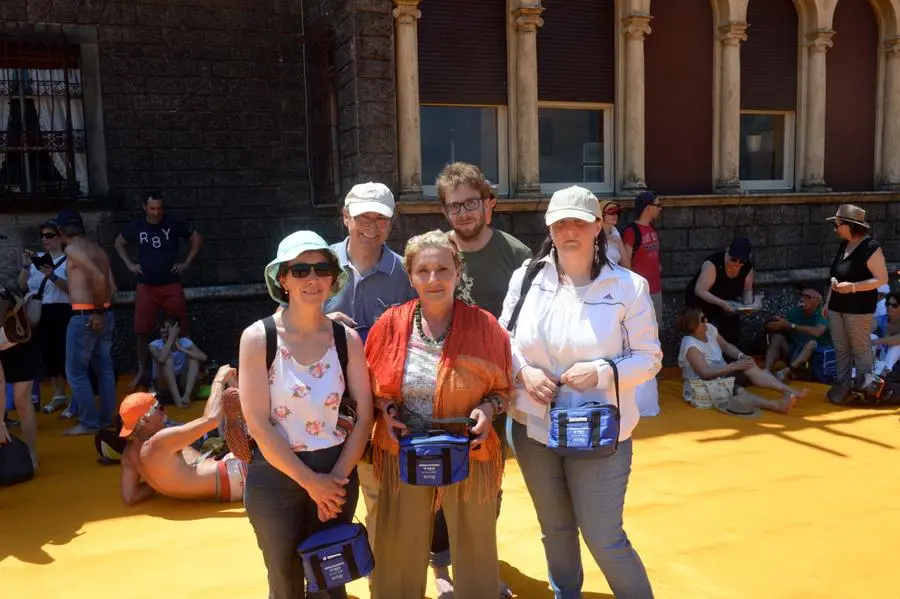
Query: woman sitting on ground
x=436, y=357
x=701, y=357
x=886, y=336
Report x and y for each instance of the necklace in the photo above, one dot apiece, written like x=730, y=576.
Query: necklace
x=431, y=341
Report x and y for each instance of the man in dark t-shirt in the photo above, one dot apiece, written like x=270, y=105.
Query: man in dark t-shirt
x=158, y=270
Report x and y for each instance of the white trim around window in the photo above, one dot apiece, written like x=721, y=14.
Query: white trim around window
x=590, y=161
x=501, y=182
x=786, y=182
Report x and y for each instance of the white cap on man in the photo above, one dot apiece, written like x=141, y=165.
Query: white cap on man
x=370, y=197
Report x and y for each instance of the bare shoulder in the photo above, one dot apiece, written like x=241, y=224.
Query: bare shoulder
x=254, y=335
x=354, y=341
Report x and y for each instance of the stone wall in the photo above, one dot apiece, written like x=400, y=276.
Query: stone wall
x=203, y=101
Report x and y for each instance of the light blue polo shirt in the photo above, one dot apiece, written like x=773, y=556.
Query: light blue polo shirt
x=366, y=296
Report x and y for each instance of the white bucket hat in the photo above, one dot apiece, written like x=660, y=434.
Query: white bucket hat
x=290, y=247
x=573, y=202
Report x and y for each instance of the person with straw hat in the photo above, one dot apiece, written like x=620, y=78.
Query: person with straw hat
x=857, y=271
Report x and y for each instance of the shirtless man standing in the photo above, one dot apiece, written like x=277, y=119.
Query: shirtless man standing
x=89, y=337
x=161, y=460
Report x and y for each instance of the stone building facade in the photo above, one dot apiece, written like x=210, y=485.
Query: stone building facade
x=254, y=117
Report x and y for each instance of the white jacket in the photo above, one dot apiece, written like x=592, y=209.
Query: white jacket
x=614, y=319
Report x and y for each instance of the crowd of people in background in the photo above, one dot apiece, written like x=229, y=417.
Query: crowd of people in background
x=468, y=332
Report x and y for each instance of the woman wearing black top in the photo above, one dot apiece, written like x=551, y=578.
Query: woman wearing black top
x=724, y=277
x=857, y=271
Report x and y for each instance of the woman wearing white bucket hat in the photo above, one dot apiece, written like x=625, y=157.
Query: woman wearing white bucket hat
x=304, y=462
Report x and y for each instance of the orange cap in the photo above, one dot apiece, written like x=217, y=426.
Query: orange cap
x=132, y=409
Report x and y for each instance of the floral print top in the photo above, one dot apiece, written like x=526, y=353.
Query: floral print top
x=305, y=399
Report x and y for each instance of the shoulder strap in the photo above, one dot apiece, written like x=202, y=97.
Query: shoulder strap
x=271, y=340
x=40, y=291
x=637, y=236
x=340, y=346
x=531, y=274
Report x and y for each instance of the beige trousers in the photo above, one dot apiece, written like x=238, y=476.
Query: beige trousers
x=403, y=544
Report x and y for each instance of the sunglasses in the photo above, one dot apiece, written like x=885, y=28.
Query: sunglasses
x=613, y=211
x=837, y=225
x=302, y=270
x=735, y=260
x=49, y=235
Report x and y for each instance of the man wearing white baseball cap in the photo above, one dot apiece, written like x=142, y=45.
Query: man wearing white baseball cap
x=376, y=280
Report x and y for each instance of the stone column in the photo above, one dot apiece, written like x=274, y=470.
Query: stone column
x=636, y=28
x=814, y=163
x=731, y=36
x=890, y=138
x=406, y=15
x=528, y=173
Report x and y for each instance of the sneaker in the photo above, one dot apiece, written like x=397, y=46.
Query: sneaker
x=236, y=436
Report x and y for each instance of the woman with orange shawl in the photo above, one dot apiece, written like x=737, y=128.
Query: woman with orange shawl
x=436, y=357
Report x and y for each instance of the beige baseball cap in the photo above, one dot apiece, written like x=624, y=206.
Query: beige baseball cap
x=370, y=197
x=573, y=202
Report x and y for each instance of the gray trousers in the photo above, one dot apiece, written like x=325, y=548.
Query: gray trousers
x=852, y=344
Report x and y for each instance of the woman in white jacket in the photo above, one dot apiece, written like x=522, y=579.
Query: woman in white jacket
x=579, y=311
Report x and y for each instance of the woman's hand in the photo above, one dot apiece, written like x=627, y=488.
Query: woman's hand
x=325, y=514
x=483, y=415
x=539, y=386
x=581, y=376
x=387, y=414
x=727, y=308
x=745, y=363
x=843, y=288
x=327, y=490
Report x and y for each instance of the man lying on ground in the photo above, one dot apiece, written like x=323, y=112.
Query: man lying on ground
x=160, y=459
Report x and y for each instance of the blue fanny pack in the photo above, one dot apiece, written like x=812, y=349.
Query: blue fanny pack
x=435, y=458
x=336, y=556
x=590, y=430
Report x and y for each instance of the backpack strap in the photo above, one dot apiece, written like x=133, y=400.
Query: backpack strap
x=531, y=274
x=271, y=340
x=340, y=346
x=637, y=237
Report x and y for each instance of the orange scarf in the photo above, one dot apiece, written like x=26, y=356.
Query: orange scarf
x=475, y=362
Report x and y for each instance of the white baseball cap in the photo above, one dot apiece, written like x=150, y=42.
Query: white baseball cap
x=573, y=202
x=370, y=197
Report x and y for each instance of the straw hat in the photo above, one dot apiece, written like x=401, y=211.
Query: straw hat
x=848, y=213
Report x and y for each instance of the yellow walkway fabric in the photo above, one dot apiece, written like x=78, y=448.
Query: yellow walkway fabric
x=798, y=506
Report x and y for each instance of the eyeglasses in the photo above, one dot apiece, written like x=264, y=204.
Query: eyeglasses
x=49, y=235
x=468, y=205
x=367, y=221
x=612, y=212
x=837, y=225
x=735, y=260
x=302, y=269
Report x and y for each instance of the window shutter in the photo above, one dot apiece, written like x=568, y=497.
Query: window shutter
x=462, y=52
x=769, y=57
x=576, y=51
